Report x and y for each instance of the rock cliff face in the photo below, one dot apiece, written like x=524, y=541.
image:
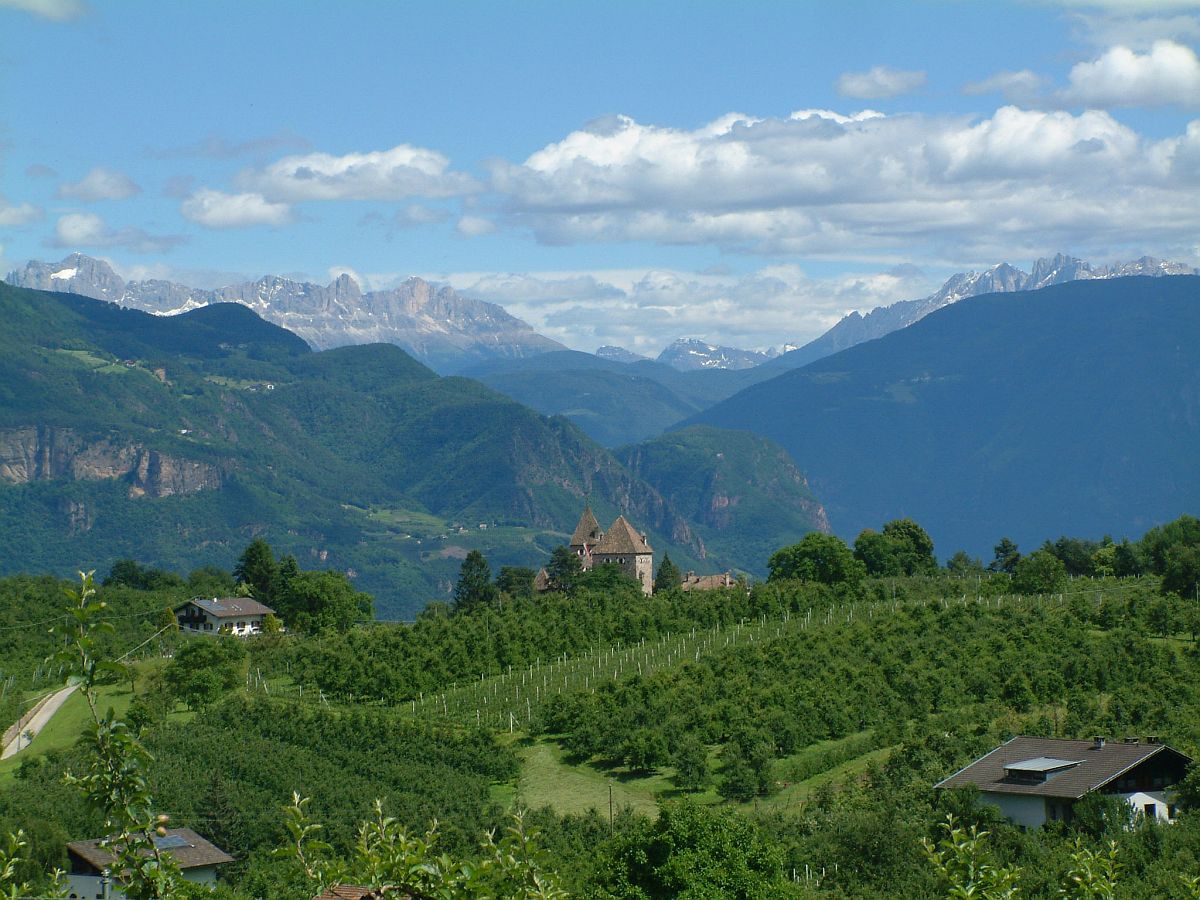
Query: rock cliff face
x=40, y=453
x=437, y=325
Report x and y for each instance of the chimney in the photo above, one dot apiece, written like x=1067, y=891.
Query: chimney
x=1131, y=740
x=1152, y=739
x=1098, y=742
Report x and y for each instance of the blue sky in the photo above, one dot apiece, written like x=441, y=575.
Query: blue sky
x=613, y=173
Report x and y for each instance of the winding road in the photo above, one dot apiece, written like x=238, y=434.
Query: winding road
x=43, y=712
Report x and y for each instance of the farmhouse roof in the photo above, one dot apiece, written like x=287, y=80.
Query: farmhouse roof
x=588, y=530
x=349, y=892
x=229, y=607
x=1071, y=768
x=187, y=848
x=622, y=538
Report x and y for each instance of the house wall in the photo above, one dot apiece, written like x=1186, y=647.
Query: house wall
x=1021, y=809
x=638, y=566
x=1162, y=801
x=197, y=621
x=92, y=887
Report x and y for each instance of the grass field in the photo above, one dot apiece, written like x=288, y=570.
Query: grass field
x=547, y=780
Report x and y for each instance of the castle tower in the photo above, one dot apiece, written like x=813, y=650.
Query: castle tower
x=587, y=535
x=623, y=546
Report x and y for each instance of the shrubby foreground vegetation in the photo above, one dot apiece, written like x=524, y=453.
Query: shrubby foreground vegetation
x=868, y=660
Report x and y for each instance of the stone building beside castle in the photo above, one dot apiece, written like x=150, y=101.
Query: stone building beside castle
x=622, y=545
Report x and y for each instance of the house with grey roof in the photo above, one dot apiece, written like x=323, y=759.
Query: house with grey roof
x=89, y=863
x=222, y=615
x=1037, y=780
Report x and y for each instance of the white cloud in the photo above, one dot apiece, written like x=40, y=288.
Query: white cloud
x=13, y=216
x=474, y=226
x=336, y=272
x=100, y=184
x=57, y=10
x=396, y=174
x=1016, y=87
x=216, y=209
x=76, y=230
x=879, y=83
x=416, y=214
x=1168, y=74
x=644, y=310
x=866, y=187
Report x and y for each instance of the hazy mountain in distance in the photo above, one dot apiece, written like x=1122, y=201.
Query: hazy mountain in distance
x=690, y=354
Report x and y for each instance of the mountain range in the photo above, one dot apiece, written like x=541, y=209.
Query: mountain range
x=1002, y=278
x=174, y=440
x=1074, y=408
x=436, y=325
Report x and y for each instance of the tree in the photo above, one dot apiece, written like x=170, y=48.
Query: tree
x=1005, y=556
x=205, y=669
x=691, y=764
x=668, y=575
x=818, y=557
x=516, y=581
x=474, y=586
x=563, y=569
x=694, y=851
x=1181, y=571
x=963, y=565
x=314, y=601
x=964, y=864
x=257, y=568
x=143, y=578
x=1041, y=572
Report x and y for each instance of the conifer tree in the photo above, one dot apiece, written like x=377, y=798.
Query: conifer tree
x=668, y=575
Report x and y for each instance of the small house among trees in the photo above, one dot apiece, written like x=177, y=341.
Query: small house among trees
x=88, y=874
x=622, y=545
x=1037, y=780
x=223, y=615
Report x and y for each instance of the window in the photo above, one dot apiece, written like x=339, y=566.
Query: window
x=1151, y=810
x=1171, y=811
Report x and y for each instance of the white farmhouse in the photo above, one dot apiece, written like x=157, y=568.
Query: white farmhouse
x=89, y=876
x=1037, y=780
x=222, y=615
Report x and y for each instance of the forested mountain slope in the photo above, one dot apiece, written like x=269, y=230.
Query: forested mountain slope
x=175, y=440
x=1075, y=408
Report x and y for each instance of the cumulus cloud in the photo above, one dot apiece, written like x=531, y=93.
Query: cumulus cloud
x=216, y=209
x=862, y=186
x=474, y=226
x=879, y=83
x=644, y=310
x=416, y=214
x=1016, y=87
x=76, y=230
x=396, y=174
x=99, y=184
x=55, y=10
x=22, y=214
x=1168, y=74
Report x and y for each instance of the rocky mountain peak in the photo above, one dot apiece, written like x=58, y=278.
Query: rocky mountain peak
x=435, y=324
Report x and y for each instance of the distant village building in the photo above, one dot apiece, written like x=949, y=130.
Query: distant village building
x=693, y=582
x=622, y=545
x=1037, y=780
x=88, y=862
x=222, y=615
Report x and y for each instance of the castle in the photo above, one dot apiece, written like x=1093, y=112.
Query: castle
x=622, y=545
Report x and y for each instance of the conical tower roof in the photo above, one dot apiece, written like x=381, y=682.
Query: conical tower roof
x=587, y=532
x=622, y=538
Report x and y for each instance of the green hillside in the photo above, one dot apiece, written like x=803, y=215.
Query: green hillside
x=743, y=491
x=1075, y=409
x=176, y=440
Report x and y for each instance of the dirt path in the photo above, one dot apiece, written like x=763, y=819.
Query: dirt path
x=42, y=713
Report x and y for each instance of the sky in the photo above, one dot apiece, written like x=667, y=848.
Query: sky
x=614, y=173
